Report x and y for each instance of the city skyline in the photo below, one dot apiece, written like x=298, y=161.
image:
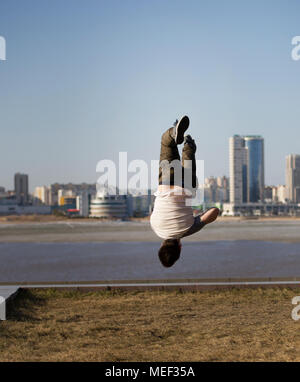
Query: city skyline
x=239, y=154
x=83, y=82
x=243, y=193
x=31, y=187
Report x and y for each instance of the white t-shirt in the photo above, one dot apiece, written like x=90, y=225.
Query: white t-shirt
x=171, y=217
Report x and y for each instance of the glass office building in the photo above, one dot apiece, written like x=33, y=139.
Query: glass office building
x=238, y=170
x=256, y=176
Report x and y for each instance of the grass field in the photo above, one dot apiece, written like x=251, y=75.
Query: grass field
x=219, y=325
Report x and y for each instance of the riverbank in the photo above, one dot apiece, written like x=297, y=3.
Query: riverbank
x=55, y=218
x=219, y=325
x=77, y=230
x=13, y=219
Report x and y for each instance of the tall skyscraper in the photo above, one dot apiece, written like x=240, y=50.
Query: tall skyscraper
x=256, y=168
x=21, y=188
x=292, y=178
x=238, y=160
x=246, y=167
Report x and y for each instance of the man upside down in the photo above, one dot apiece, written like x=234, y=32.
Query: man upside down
x=172, y=218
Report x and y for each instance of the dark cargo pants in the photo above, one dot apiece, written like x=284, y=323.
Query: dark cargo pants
x=182, y=173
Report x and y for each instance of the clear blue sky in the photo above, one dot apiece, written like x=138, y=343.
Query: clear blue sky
x=86, y=79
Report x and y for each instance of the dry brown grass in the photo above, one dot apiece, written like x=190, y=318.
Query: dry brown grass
x=221, y=325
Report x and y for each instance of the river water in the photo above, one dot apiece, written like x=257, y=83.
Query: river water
x=135, y=260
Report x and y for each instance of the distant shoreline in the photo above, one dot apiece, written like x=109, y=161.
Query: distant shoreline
x=52, y=218
x=49, y=229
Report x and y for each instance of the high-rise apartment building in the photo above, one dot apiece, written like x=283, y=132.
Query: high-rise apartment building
x=216, y=190
x=223, y=181
x=21, y=188
x=246, y=167
x=292, y=178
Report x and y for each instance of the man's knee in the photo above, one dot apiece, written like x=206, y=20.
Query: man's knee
x=210, y=215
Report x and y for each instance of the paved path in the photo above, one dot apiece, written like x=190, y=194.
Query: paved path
x=9, y=290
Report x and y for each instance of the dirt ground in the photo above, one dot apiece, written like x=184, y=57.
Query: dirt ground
x=220, y=325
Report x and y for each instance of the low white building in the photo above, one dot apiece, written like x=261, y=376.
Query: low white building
x=261, y=209
x=109, y=206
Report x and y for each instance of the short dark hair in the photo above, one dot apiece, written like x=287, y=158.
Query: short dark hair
x=169, y=252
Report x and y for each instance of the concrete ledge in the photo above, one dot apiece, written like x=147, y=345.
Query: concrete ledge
x=217, y=281
x=8, y=292
x=201, y=285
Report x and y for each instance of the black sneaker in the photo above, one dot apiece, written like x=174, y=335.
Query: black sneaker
x=188, y=140
x=180, y=128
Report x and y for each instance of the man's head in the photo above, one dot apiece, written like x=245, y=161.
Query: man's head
x=169, y=252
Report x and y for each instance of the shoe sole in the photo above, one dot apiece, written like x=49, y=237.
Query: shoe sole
x=181, y=128
x=190, y=142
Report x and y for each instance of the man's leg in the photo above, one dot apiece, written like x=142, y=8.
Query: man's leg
x=189, y=163
x=169, y=151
